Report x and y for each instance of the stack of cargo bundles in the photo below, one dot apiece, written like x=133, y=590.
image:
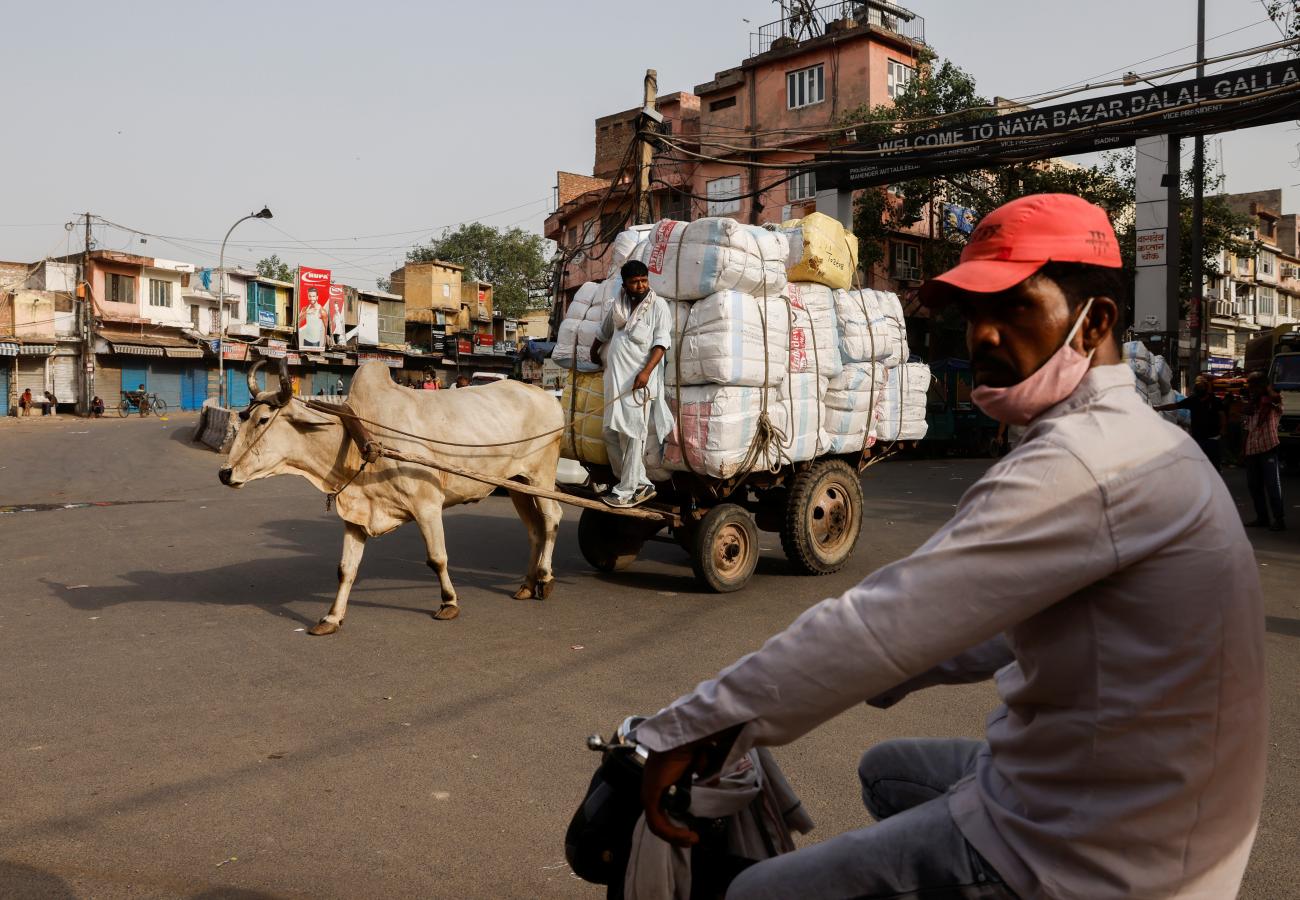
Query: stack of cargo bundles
x=729, y=338
x=872, y=328
x=821, y=251
x=902, y=413
x=854, y=403
x=583, y=401
x=578, y=330
x=1155, y=380
x=691, y=260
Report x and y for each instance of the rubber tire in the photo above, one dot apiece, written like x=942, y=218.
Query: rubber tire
x=123, y=409
x=726, y=522
x=607, y=542
x=801, y=546
x=158, y=407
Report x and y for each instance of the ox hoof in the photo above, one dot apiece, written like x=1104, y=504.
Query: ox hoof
x=545, y=589
x=446, y=612
x=524, y=593
x=323, y=627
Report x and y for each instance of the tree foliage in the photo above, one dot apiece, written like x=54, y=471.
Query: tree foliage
x=273, y=267
x=1286, y=13
x=513, y=261
x=941, y=95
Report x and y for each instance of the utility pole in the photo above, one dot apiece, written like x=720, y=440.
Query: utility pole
x=1200, y=336
x=87, y=330
x=647, y=149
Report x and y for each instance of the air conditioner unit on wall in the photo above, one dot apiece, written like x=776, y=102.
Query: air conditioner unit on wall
x=904, y=272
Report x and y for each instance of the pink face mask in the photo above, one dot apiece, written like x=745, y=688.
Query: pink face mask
x=1055, y=380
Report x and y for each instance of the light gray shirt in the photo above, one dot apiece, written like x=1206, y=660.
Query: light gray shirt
x=1102, y=571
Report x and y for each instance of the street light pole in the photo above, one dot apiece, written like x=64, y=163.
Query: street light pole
x=1199, y=357
x=265, y=213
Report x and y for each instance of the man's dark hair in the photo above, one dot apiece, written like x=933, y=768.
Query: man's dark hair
x=632, y=268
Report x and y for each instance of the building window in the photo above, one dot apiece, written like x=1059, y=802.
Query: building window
x=804, y=87
x=1266, y=264
x=214, y=321
x=724, y=103
x=119, y=288
x=1266, y=227
x=1264, y=302
x=1218, y=339
x=160, y=292
x=907, y=261
x=897, y=78
x=724, y=195
x=1243, y=265
x=194, y=316
x=802, y=187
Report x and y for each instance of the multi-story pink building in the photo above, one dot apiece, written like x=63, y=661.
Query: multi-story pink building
x=774, y=109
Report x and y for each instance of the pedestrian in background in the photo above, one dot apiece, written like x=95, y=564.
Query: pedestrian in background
x=25, y=402
x=1209, y=419
x=49, y=405
x=1263, y=475
x=462, y=381
x=338, y=387
x=430, y=383
x=97, y=408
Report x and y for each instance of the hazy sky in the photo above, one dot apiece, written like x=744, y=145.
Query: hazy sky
x=355, y=121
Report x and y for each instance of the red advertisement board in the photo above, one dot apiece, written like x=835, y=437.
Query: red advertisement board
x=314, y=308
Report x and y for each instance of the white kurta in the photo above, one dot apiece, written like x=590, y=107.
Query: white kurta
x=629, y=333
x=1127, y=759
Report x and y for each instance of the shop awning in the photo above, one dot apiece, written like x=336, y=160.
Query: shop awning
x=183, y=352
x=129, y=343
x=135, y=349
x=35, y=349
x=8, y=349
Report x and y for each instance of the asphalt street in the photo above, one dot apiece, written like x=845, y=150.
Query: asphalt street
x=168, y=730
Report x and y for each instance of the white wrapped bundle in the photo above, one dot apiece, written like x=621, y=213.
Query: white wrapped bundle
x=573, y=343
x=690, y=261
x=621, y=250
x=805, y=433
x=856, y=389
x=902, y=412
x=720, y=340
x=871, y=327
x=848, y=432
x=582, y=300
x=814, y=336
x=715, y=428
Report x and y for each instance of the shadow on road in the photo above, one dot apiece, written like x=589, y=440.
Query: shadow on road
x=272, y=583
x=1282, y=625
x=21, y=881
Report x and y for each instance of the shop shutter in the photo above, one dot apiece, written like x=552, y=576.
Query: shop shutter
x=108, y=384
x=194, y=387
x=4, y=388
x=134, y=374
x=31, y=376
x=165, y=381
x=65, y=378
x=237, y=385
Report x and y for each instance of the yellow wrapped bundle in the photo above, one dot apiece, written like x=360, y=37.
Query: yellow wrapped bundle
x=821, y=251
x=584, y=413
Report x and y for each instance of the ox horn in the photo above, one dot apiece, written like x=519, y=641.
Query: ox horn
x=286, y=384
x=253, y=389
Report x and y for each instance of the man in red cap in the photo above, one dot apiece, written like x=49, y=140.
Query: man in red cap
x=1099, y=573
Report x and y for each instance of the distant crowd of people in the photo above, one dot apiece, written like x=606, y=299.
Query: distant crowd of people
x=430, y=383
x=26, y=403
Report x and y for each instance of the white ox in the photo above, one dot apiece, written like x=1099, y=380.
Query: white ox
x=282, y=436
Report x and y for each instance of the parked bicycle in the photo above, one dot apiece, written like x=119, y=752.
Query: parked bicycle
x=142, y=403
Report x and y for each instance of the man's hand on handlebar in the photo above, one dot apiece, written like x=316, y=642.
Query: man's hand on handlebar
x=676, y=766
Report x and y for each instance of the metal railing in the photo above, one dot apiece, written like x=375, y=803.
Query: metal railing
x=816, y=22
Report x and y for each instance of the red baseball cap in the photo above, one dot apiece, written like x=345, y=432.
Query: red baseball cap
x=1019, y=238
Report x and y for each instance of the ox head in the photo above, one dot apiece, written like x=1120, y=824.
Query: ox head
x=269, y=441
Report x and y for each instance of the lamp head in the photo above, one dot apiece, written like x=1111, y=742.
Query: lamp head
x=264, y=214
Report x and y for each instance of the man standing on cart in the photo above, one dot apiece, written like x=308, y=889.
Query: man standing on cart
x=637, y=327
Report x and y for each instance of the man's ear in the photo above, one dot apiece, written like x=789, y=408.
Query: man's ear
x=1103, y=319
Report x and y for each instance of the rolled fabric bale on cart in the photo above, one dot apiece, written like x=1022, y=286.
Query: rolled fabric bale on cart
x=805, y=434
x=854, y=400
x=872, y=327
x=820, y=251
x=814, y=333
x=720, y=340
x=583, y=402
x=902, y=413
x=691, y=260
x=573, y=343
x=1154, y=379
x=715, y=426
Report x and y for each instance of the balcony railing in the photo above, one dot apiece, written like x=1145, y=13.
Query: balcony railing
x=803, y=26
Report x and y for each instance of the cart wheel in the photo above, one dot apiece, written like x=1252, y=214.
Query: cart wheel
x=823, y=518
x=158, y=407
x=725, y=548
x=123, y=409
x=610, y=543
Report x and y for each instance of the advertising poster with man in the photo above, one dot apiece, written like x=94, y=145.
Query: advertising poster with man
x=337, y=326
x=314, y=312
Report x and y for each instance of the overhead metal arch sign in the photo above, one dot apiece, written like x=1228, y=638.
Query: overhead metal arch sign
x=1239, y=99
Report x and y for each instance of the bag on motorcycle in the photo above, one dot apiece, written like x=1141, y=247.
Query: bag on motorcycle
x=598, y=841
